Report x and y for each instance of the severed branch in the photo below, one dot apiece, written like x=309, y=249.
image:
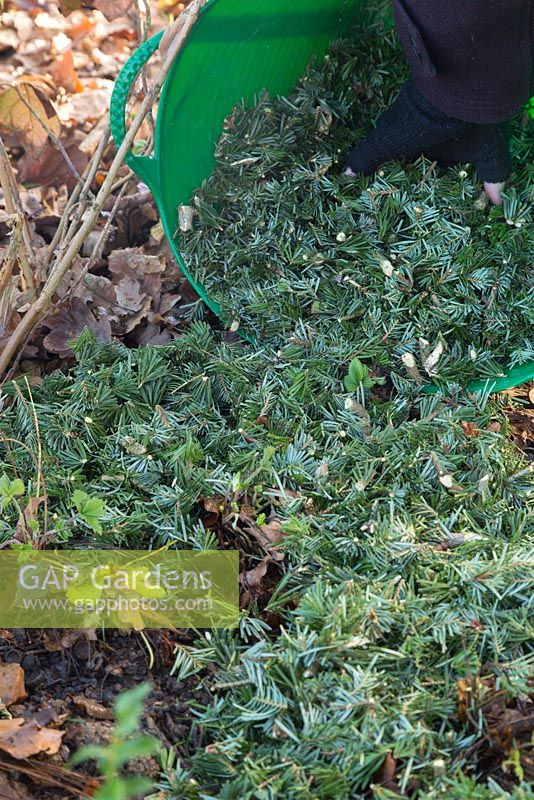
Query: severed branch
x=176, y=37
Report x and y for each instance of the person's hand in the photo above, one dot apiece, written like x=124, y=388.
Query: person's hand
x=493, y=190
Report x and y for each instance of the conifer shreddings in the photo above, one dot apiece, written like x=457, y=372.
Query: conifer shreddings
x=408, y=267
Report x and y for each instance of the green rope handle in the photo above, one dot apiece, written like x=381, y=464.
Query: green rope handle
x=143, y=165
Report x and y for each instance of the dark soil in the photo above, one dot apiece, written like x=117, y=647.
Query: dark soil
x=72, y=679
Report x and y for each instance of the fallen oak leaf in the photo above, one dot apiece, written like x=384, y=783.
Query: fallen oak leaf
x=168, y=302
x=64, y=74
x=129, y=298
x=12, y=688
x=112, y=9
x=89, y=106
x=214, y=507
x=23, y=739
x=138, y=265
x=253, y=578
x=273, y=531
x=26, y=111
x=470, y=429
x=267, y=535
x=133, y=321
x=91, y=707
x=67, y=325
x=387, y=775
x=50, y=168
x=152, y=334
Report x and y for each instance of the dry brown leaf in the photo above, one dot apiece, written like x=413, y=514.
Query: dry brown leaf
x=93, y=138
x=12, y=688
x=112, y=9
x=152, y=334
x=168, y=302
x=64, y=74
x=91, y=707
x=133, y=262
x=24, y=739
x=129, y=298
x=99, y=290
x=214, y=507
x=266, y=535
x=139, y=316
x=387, y=775
x=23, y=107
x=24, y=532
x=470, y=429
x=214, y=504
x=254, y=577
x=67, y=325
x=50, y=168
x=273, y=531
x=90, y=105
x=132, y=298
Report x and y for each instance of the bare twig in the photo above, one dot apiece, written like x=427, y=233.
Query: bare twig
x=15, y=242
x=125, y=178
x=144, y=27
x=86, y=195
x=102, y=239
x=79, y=195
x=64, y=260
x=14, y=206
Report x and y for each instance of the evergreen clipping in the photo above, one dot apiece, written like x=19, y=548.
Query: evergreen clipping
x=408, y=263
x=407, y=529
x=386, y=535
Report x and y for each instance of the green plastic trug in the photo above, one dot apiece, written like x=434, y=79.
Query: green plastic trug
x=235, y=50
